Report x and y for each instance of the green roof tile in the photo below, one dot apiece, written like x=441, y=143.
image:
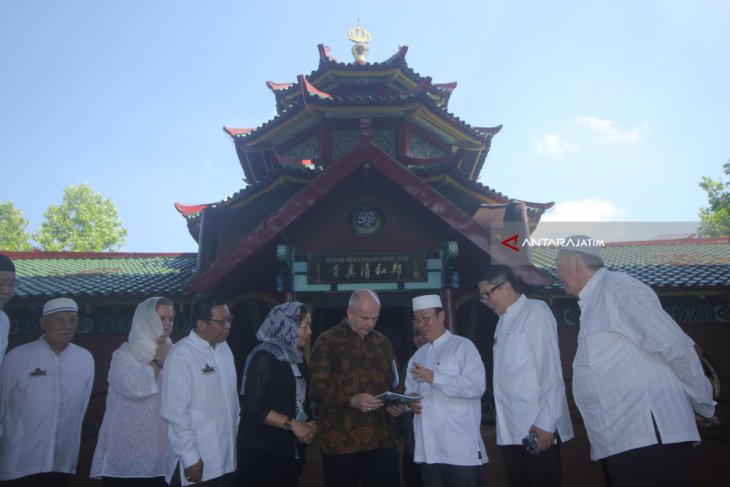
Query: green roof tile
x=110, y=274
x=664, y=264
x=661, y=264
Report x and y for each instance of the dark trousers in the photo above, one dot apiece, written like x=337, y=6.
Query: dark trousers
x=527, y=470
x=411, y=471
x=133, y=482
x=376, y=468
x=262, y=469
x=227, y=480
x=660, y=465
x=46, y=479
x=442, y=475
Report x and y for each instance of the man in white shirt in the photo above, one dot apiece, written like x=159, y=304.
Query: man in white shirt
x=45, y=387
x=529, y=392
x=199, y=398
x=7, y=288
x=637, y=379
x=448, y=373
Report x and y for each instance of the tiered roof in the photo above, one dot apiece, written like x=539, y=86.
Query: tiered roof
x=338, y=96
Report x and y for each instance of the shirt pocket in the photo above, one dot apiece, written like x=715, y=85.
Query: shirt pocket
x=516, y=351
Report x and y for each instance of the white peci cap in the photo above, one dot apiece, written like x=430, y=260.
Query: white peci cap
x=60, y=304
x=427, y=301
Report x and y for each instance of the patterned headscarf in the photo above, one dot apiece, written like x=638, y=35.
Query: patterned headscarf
x=146, y=329
x=278, y=334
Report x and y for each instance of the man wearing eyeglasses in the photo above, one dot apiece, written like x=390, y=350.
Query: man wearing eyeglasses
x=7, y=288
x=529, y=392
x=448, y=373
x=199, y=399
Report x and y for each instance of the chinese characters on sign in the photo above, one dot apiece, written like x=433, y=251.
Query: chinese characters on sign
x=380, y=267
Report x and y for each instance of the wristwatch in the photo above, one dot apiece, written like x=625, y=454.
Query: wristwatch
x=157, y=362
x=287, y=424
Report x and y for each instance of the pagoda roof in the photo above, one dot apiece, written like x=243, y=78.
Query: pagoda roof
x=393, y=91
x=467, y=194
x=666, y=265
x=364, y=153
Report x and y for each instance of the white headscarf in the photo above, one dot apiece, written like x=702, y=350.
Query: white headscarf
x=146, y=329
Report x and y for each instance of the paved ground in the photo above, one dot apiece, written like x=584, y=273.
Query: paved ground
x=710, y=468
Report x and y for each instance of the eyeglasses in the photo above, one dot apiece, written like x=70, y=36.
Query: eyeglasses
x=488, y=294
x=420, y=320
x=225, y=321
x=12, y=284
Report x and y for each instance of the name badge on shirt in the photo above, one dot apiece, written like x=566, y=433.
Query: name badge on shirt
x=38, y=372
x=208, y=370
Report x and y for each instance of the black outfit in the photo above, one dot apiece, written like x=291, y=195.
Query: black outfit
x=527, y=470
x=659, y=465
x=371, y=468
x=269, y=455
x=445, y=475
x=133, y=482
x=45, y=479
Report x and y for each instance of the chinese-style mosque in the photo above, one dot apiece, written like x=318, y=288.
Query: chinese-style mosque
x=364, y=178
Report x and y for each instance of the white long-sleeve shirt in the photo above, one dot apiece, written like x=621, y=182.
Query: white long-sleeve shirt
x=43, y=399
x=133, y=436
x=4, y=332
x=200, y=404
x=528, y=379
x=634, y=362
x=448, y=428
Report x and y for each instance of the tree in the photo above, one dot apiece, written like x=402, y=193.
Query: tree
x=85, y=221
x=13, y=228
x=715, y=218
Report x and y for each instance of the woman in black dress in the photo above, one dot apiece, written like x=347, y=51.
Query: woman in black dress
x=276, y=419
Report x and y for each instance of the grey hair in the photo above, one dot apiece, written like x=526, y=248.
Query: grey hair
x=355, y=297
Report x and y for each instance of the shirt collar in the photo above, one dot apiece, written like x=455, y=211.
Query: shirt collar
x=515, y=307
x=42, y=339
x=445, y=336
x=200, y=342
x=592, y=283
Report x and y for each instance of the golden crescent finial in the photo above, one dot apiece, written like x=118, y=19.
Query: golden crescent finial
x=358, y=34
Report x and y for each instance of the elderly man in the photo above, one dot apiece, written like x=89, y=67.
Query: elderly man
x=448, y=373
x=45, y=387
x=529, y=393
x=199, y=398
x=636, y=375
x=350, y=364
x=7, y=288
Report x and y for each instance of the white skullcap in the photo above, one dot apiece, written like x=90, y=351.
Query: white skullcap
x=60, y=304
x=427, y=301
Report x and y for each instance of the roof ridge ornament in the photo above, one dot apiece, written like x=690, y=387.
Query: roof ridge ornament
x=360, y=37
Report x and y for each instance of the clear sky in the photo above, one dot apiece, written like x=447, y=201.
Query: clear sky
x=613, y=110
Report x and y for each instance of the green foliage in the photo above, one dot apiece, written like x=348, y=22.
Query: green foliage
x=13, y=229
x=715, y=218
x=85, y=221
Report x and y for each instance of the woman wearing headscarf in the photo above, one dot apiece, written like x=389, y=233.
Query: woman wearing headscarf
x=276, y=422
x=133, y=448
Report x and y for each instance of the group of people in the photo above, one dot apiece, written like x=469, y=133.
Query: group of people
x=637, y=381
